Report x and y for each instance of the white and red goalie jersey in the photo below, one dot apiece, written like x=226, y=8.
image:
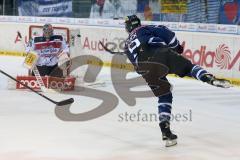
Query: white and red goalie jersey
x=48, y=51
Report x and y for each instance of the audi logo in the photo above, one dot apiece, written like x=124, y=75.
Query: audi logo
x=117, y=44
x=60, y=85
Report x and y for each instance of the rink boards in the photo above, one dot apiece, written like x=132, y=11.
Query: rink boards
x=214, y=47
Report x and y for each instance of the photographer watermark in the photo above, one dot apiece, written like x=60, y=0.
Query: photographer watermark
x=109, y=100
x=140, y=116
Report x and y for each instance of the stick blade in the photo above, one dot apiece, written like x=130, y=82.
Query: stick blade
x=109, y=51
x=65, y=102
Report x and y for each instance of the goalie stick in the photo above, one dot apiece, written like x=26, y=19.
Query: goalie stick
x=60, y=103
x=109, y=51
x=34, y=69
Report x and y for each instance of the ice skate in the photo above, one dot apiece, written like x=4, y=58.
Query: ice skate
x=167, y=135
x=210, y=79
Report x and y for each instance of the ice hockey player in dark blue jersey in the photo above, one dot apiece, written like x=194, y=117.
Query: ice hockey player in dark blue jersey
x=157, y=44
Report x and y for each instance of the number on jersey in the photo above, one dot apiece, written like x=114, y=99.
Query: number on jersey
x=133, y=45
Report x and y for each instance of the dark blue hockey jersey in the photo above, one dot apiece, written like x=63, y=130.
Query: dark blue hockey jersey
x=151, y=35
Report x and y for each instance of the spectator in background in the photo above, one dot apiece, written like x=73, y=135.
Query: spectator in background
x=127, y=8
x=155, y=8
x=102, y=9
x=117, y=9
x=148, y=10
x=141, y=4
x=148, y=15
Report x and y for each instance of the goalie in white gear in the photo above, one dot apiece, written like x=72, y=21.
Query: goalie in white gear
x=49, y=48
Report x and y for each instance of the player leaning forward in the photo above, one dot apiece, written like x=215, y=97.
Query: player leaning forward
x=158, y=45
x=49, y=48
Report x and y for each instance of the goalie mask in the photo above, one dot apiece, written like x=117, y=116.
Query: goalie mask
x=47, y=30
x=132, y=22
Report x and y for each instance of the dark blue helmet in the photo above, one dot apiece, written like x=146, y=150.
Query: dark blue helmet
x=132, y=22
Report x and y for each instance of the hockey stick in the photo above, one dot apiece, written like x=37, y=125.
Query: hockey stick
x=34, y=69
x=108, y=50
x=60, y=103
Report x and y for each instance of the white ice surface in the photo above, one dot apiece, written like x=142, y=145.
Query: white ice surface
x=30, y=129
x=12, y=66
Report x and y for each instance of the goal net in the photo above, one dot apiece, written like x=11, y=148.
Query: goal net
x=73, y=38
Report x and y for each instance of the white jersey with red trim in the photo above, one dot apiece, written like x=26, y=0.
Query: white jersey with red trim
x=48, y=50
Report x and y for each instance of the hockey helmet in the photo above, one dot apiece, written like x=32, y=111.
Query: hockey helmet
x=47, y=30
x=132, y=22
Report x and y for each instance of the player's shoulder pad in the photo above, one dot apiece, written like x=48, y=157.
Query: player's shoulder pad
x=160, y=26
x=163, y=27
x=56, y=37
x=39, y=39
